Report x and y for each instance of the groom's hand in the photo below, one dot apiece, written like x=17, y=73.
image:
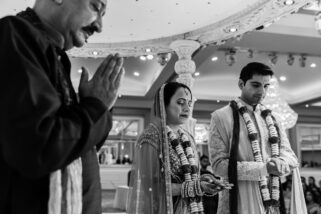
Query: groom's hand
x=277, y=167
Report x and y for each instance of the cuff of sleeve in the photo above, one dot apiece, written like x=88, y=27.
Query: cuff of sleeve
x=94, y=107
x=263, y=170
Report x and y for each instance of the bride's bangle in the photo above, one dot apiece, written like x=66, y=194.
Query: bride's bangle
x=191, y=190
x=184, y=190
x=198, y=189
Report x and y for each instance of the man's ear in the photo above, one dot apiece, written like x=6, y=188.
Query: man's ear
x=241, y=84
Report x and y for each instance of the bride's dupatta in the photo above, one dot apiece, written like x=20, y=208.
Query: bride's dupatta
x=151, y=179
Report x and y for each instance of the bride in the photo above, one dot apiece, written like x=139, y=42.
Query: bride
x=166, y=168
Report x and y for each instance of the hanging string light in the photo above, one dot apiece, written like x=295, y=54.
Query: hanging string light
x=273, y=57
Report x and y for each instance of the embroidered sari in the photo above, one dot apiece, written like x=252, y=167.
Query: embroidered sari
x=156, y=167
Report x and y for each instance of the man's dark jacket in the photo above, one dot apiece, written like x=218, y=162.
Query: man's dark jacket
x=42, y=125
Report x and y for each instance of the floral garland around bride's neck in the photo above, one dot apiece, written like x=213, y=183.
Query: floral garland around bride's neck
x=191, y=189
x=270, y=193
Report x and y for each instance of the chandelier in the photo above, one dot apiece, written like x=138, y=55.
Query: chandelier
x=274, y=101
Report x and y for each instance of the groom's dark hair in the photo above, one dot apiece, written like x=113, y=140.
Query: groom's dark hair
x=255, y=68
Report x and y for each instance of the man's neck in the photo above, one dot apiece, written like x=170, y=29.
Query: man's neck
x=53, y=33
x=250, y=107
x=254, y=105
x=245, y=101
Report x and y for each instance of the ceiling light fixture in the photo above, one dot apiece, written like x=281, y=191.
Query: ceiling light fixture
x=268, y=24
x=307, y=105
x=143, y=58
x=289, y=2
x=163, y=58
x=313, y=65
x=273, y=58
x=150, y=57
x=230, y=57
x=232, y=29
x=302, y=60
x=80, y=70
x=196, y=74
x=283, y=78
x=290, y=60
x=136, y=74
x=95, y=53
x=148, y=50
x=214, y=58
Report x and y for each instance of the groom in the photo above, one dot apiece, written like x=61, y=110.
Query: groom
x=253, y=152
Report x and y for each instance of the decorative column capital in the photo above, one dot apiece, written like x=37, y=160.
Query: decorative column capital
x=185, y=66
x=184, y=48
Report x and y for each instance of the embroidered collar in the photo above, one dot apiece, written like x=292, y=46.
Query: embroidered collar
x=249, y=107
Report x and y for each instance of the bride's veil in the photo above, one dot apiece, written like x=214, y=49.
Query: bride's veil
x=150, y=176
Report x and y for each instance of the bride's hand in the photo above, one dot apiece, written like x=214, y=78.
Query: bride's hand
x=215, y=186
x=222, y=183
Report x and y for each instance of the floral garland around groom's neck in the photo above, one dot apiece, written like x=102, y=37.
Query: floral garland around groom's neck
x=270, y=193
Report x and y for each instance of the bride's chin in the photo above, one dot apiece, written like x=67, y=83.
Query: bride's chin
x=183, y=121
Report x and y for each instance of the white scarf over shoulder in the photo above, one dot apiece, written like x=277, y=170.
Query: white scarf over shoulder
x=66, y=190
